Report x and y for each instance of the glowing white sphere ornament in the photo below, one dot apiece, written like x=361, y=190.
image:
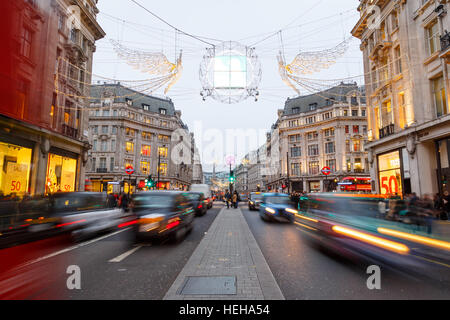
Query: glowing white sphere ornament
x=230, y=73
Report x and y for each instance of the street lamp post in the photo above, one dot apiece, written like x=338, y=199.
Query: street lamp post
x=287, y=168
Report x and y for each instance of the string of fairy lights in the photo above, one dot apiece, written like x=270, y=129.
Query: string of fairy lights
x=294, y=49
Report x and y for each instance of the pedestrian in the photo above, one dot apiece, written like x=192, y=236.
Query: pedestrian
x=234, y=199
x=445, y=205
x=124, y=201
x=227, y=199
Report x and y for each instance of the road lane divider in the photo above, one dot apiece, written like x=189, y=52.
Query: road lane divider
x=125, y=254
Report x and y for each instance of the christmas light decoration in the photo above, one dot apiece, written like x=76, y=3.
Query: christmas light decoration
x=154, y=63
x=230, y=73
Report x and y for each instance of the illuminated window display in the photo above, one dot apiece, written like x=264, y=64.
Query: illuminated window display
x=61, y=173
x=389, y=173
x=15, y=164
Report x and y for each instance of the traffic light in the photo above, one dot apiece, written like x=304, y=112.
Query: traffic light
x=232, y=178
x=149, y=183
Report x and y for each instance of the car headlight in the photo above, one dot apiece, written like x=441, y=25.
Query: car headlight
x=291, y=211
x=270, y=210
x=251, y=202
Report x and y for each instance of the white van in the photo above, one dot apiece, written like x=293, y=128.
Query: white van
x=205, y=189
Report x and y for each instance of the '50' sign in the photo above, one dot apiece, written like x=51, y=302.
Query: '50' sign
x=389, y=185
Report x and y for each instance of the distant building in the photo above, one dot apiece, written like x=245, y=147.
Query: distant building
x=325, y=129
x=128, y=128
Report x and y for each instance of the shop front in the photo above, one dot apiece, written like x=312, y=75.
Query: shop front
x=61, y=171
x=314, y=186
x=443, y=164
x=390, y=173
x=15, y=168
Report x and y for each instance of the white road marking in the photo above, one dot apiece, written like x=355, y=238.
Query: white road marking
x=124, y=255
x=51, y=255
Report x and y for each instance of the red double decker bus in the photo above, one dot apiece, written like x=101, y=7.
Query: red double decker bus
x=355, y=184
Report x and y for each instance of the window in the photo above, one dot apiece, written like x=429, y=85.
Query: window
x=313, y=150
x=146, y=150
x=296, y=152
x=313, y=106
x=345, y=113
x=115, y=113
x=432, y=35
x=102, y=164
x=394, y=20
x=310, y=120
x=162, y=169
x=147, y=135
x=347, y=146
x=128, y=101
x=130, y=132
x=105, y=113
x=296, y=110
x=312, y=135
x=363, y=112
x=162, y=111
x=73, y=35
x=355, y=129
x=95, y=129
x=163, y=138
x=349, y=165
x=114, y=130
x=104, y=128
x=331, y=163
x=145, y=167
x=329, y=132
x=358, y=164
x=330, y=147
x=94, y=164
x=398, y=60
x=25, y=43
x=111, y=164
x=146, y=107
x=440, y=98
x=104, y=146
x=94, y=145
x=347, y=130
x=162, y=151
x=163, y=124
x=387, y=114
x=295, y=169
x=295, y=138
x=356, y=145
x=354, y=113
x=129, y=146
x=326, y=116
x=113, y=145
x=313, y=167
x=402, y=110
x=364, y=130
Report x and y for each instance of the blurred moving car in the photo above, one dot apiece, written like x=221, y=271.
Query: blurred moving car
x=162, y=214
x=198, y=202
x=277, y=207
x=82, y=214
x=380, y=229
x=205, y=189
x=254, y=200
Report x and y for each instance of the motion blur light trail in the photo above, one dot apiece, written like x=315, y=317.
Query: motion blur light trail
x=379, y=242
x=414, y=238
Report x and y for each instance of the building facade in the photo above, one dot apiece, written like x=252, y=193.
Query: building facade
x=46, y=61
x=325, y=129
x=129, y=129
x=406, y=51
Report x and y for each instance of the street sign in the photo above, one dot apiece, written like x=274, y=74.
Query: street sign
x=129, y=170
x=326, y=171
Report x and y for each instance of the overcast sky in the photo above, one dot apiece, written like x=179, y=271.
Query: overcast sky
x=306, y=26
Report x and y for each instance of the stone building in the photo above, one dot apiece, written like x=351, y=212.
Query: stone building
x=325, y=129
x=131, y=129
x=47, y=52
x=406, y=51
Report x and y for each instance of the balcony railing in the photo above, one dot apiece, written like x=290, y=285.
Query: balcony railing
x=387, y=131
x=69, y=131
x=102, y=170
x=445, y=41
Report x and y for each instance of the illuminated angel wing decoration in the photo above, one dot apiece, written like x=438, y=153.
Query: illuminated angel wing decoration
x=311, y=62
x=154, y=63
x=308, y=63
